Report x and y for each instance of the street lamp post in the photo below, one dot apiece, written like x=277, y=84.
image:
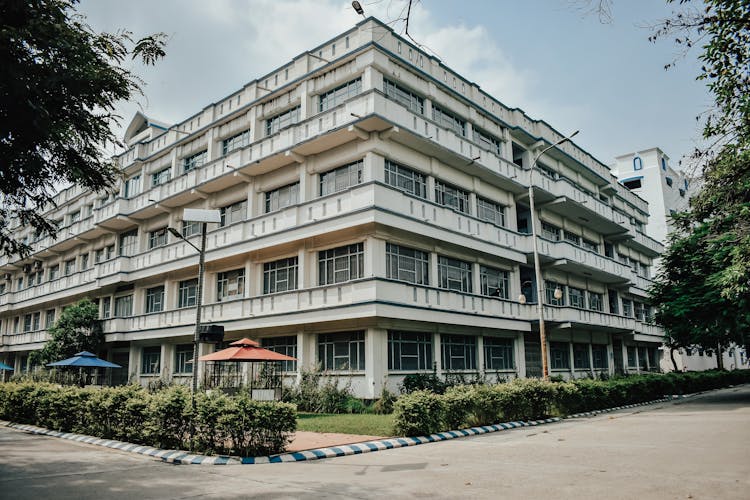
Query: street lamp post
x=537, y=267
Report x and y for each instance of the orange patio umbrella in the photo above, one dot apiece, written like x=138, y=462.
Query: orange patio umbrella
x=246, y=350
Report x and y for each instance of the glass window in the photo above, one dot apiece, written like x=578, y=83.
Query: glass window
x=454, y=274
x=49, y=319
x=596, y=301
x=190, y=228
x=590, y=245
x=235, y=142
x=76, y=216
x=341, y=264
x=187, y=293
x=150, y=360
x=70, y=267
x=183, y=358
x=549, y=293
x=342, y=351
x=286, y=346
x=340, y=94
x=405, y=179
x=581, y=356
x=669, y=181
x=230, y=285
x=282, y=197
x=406, y=264
x=280, y=276
x=53, y=272
x=409, y=350
x=155, y=299
x=341, y=178
x=27, y=323
x=233, y=213
x=133, y=186
x=161, y=176
x=546, y=171
x=576, y=297
x=627, y=308
x=282, y=120
x=124, y=306
x=157, y=238
x=487, y=141
x=550, y=231
x=491, y=211
x=637, y=163
x=194, y=161
x=106, y=307
x=518, y=154
x=614, y=302
x=459, y=352
x=632, y=356
x=129, y=243
x=498, y=354
x=640, y=313
x=600, y=358
x=448, y=120
x=84, y=263
x=572, y=238
x=451, y=196
x=412, y=101
x=494, y=282
x=560, y=355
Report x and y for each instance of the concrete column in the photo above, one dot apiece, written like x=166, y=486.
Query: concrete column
x=307, y=344
x=214, y=148
x=480, y=355
x=476, y=282
x=167, y=358
x=303, y=182
x=434, y=282
x=134, y=361
x=572, y=358
x=520, y=355
x=305, y=101
x=436, y=350
x=369, y=162
x=375, y=264
x=376, y=360
x=303, y=280
x=253, y=279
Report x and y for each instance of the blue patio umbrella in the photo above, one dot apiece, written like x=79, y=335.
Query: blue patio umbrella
x=85, y=359
x=5, y=367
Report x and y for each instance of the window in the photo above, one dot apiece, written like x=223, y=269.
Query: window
x=627, y=308
x=230, y=285
x=235, y=142
x=194, y=161
x=189, y=228
x=609, y=250
x=412, y=101
x=405, y=179
x=187, y=293
x=340, y=94
x=451, y=196
x=282, y=120
x=549, y=293
x=613, y=302
x=406, y=264
x=454, y=274
x=106, y=307
x=632, y=183
x=27, y=323
x=550, y=231
x=576, y=297
x=75, y=216
x=19, y=284
x=341, y=178
x=448, y=120
x=494, y=282
x=596, y=301
x=637, y=163
x=162, y=176
x=491, y=211
x=599, y=355
x=133, y=186
x=70, y=267
x=409, y=350
x=560, y=355
x=487, y=141
x=36, y=320
x=546, y=171
x=663, y=163
x=233, y=213
x=157, y=238
x=572, y=238
x=2, y=288
x=682, y=192
x=53, y=272
x=640, y=314
x=124, y=306
x=581, y=356
x=590, y=245
x=150, y=360
x=632, y=356
x=669, y=181
x=342, y=351
x=341, y=264
x=518, y=154
x=286, y=346
x=84, y=262
x=183, y=358
x=155, y=299
x=459, y=352
x=129, y=243
x=282, y=197
x=498, y=354
x=280, y=276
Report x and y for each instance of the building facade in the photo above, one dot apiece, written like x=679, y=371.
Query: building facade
x=374, y=223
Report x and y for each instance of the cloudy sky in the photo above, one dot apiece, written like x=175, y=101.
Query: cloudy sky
x=547, y=57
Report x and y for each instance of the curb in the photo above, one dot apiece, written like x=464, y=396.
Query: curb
x=185, y=458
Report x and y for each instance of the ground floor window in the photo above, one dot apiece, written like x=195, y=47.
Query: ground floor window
x=498, y=353
x=283, y=345
x=183, y=358
x=632, y=356
x=151, y=360
x=409, y=350
x=560, y=355
x=342, y=351
x=581, y=356
x=599, y=355
x=459, y=352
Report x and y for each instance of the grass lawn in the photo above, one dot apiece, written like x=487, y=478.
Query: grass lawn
x=366, y=424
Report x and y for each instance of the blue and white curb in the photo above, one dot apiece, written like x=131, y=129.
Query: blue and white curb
x=185, y=458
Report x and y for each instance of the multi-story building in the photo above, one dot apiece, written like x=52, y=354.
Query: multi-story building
x=374, y=222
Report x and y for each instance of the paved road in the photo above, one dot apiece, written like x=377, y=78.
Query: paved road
x=695, y=448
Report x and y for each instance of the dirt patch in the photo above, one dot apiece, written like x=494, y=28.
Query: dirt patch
x=304, y=440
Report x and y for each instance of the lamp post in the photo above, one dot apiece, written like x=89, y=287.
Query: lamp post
x=204, y=217
x=537, y=267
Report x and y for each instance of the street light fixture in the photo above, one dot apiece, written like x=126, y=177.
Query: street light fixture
x=537, y=267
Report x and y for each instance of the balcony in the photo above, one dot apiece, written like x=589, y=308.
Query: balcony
x=24, y=341
x=577, y=260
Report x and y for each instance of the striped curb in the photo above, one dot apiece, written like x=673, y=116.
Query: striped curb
x=185, y=458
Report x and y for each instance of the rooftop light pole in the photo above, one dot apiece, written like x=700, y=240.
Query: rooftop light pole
x=204, y=217
x=537, y=267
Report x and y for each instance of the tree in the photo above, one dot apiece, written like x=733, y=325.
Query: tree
x=59, y=86
x=78, y=329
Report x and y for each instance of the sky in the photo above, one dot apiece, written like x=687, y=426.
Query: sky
x=551, y=58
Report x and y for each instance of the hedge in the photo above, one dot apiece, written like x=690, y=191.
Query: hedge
x=425, y=412
x=223, y=424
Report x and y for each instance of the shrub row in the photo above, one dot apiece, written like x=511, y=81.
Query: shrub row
x=424, y=412
x=223, y=424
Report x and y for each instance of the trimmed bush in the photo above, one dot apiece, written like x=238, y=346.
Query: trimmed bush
x=418, y=413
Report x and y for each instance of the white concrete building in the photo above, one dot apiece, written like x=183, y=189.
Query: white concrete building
x=375, y=222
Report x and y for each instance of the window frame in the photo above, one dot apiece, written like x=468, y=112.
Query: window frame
x=449, y=268
x=330, y=259
x=418, y=346
x=341, y=178
x=400, y=177
x=280, y=272
x=331, y=347
x=396, y=259
x=154, y=299
x=458, y=350
x=223, y=281
x=499, y=353
x=450, y=196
